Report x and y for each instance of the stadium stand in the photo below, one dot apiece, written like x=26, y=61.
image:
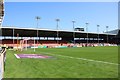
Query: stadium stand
x=48, y=39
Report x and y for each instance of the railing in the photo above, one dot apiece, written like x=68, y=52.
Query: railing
x=2, y=62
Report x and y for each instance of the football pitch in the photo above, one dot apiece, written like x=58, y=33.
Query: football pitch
x=83, y=62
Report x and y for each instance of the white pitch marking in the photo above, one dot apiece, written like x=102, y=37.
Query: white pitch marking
x=86, y=59
x=17, y=56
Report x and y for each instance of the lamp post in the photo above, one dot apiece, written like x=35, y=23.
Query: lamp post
x=98, y=32
x=106, y=32
x=73, y=31
x=57, y=27
x=87, y=31
x=37, y=18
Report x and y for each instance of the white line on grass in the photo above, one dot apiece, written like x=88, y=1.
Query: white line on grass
x=85, y=59
x=17, y=56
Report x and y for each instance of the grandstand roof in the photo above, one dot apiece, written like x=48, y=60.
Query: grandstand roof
x=32, y=32
x=116, y=31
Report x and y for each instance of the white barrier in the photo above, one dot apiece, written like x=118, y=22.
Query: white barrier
x=2, y=60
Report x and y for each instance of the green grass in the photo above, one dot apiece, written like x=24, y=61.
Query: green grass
x=64, y=67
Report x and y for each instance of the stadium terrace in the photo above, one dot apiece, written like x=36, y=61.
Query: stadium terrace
x=33, y=37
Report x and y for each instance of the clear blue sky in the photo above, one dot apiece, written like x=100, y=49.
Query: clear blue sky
x=61, y=0
x=22, y=14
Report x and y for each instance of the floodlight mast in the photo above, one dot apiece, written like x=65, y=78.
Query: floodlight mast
x=87, y=31
x=37, y=18
x=73, y=31
x=107, y=32
x=57, y=27
x=98, y=32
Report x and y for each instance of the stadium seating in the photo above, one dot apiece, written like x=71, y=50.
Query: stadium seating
x=50, y=44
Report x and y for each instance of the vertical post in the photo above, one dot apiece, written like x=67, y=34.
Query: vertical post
x=34, y=44
x=73, y=32
x=37, y=37
x=57, y=27
x=37, y=18
x=26, y=44
x=17, y=40
x=87, y=32
x=98, y=32
x=107, y=32
x=13, y=37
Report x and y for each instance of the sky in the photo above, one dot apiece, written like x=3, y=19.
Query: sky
x=22, y=14
x=61, y=0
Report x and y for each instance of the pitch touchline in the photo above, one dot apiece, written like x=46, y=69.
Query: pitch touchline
x=86, y=59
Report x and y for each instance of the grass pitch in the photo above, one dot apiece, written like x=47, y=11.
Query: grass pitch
x=84, y=62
